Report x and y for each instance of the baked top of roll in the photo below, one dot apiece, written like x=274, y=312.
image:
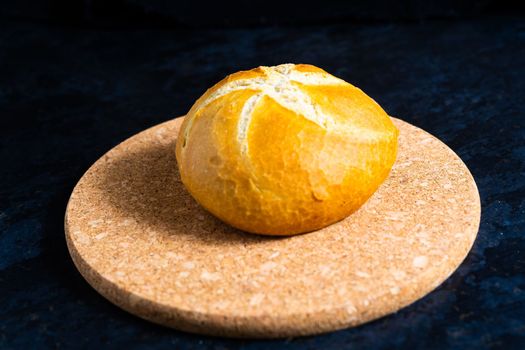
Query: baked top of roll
x=285, y=149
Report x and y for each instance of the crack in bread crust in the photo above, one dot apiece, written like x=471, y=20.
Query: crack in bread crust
x=280, y=84
x=244, y=121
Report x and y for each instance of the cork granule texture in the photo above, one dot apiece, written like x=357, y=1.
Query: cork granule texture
x=140, y=239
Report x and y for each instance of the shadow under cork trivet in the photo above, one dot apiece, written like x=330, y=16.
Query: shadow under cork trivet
x=141, y=240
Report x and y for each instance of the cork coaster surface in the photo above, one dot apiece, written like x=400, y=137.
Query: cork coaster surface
x=140, y=240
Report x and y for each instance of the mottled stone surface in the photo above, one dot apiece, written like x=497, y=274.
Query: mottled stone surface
x=67, y=95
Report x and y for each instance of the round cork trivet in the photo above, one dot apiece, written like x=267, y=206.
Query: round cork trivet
x=141, y=240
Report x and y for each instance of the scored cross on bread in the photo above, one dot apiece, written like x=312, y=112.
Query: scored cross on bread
x=284, y=149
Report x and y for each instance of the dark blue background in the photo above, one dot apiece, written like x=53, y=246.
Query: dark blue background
x=71, y=91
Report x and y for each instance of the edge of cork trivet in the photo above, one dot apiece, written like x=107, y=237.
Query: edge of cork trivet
x=142, y=242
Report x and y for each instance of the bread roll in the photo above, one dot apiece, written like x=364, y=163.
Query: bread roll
x=284, y=150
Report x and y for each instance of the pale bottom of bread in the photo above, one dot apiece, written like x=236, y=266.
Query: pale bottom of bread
x=140, y=240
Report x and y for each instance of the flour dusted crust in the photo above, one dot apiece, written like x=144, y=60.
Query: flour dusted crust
x=285, y=149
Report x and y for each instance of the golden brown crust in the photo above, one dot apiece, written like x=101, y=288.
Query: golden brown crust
x=280, y=150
